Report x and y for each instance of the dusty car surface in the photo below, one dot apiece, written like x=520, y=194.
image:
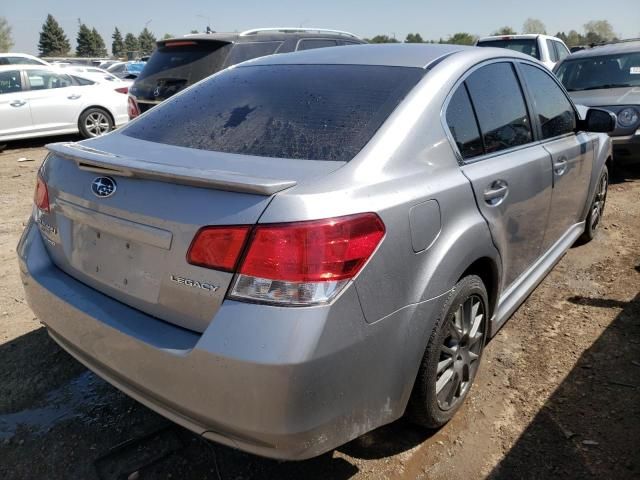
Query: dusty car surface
x=608, y=77
x=306, y=246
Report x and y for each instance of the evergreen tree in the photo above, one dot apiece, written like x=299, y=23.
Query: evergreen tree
x=117, y=46
x=53, y=42
x=146, y=42
x=98, y=48
x=130, y=43
x=84, y=42
x=414, y=38
x=6, y=41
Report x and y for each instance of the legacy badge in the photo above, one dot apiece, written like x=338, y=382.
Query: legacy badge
x=194, y=283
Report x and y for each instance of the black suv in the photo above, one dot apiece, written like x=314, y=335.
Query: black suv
x=179, y=62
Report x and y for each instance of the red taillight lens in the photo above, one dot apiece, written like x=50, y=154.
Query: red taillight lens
x=132, y=108
x=317, y=251
x=218, y=247
x=124, y=90
x=41, y=195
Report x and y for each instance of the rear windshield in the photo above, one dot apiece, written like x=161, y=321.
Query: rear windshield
x=316, y=112
x=528, y=46
x=605, y=71
x=185, y=64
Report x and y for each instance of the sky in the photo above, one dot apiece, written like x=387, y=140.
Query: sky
x=432, y=19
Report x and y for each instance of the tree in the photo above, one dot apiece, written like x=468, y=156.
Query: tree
x=6, y=41
x=505, y=31
x=117, y=45
x=98, y=48
x=382, y=39
x=413, y=38
x=462, y=38
x=84, y=42
x=130, y=43
x=146, y=42
x=53, y=42
x=167, y=36
x=194, y=31
x=533, y=25
x=598, y=30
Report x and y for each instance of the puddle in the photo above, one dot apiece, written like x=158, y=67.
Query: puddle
x=68, y=401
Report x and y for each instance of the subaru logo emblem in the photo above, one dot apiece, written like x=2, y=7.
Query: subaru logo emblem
x=103, y=187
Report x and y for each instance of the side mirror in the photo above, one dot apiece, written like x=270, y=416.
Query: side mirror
x=598, y=120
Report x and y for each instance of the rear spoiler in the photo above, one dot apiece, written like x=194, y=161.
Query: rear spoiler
x=107, y=163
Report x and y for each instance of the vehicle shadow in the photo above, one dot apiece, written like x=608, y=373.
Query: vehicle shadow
x=622, y=173
x=563, y=440
x=37, y=142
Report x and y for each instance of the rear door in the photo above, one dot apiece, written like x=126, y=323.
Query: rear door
x=15, y=116
x=571, y=153
x=54, y=100
x=510, y=173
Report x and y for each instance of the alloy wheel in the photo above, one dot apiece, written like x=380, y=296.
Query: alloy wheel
x=96, y=124
x=460, y=352
x=598, y=202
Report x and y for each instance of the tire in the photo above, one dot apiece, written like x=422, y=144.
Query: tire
x=457, y=353
x=94, y=122
x=596, y=209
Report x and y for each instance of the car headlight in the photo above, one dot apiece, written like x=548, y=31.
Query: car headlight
x=627, y=117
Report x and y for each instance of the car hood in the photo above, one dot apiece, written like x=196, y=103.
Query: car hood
x=607, y=97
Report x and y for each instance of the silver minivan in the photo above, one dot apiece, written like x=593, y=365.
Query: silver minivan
x=307, y=246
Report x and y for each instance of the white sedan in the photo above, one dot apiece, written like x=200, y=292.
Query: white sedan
x=37, y=101
x=95, y=74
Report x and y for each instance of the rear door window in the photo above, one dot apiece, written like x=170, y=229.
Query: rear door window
x=551, y=106
x=10, y=81
x=242, y=52
x=561, y=50
x=316, y=112
x=500, y=107
x=462, y=124
x=311, y=43
x=44, y=80
x=553, y=55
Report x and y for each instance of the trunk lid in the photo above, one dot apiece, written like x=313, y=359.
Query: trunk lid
x=132, y=244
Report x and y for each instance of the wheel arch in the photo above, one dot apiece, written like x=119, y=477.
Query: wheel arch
x=487, y=269
x=100, y=107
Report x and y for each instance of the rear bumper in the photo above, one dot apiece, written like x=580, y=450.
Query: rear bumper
x=627, y=149
x=278, y=382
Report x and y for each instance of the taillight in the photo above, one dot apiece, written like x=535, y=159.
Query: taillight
x=217, y=247
x=132, y=108
x=306, y=263
x=124, y=90
x=41, y=195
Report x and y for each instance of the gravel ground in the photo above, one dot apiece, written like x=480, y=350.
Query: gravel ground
x=558, y=395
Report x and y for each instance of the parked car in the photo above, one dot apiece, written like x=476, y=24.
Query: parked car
x=609, y=77
x=126, y=70
x=21, y=59
x=549, y=50
x=107, y=63
x=41, y=101
x=97, y=75
x=179, y=62
x=299, y=249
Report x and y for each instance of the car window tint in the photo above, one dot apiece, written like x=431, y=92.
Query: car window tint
x=528, y=46
x=462, y=123
x=553, y=109
x=562, y=50
x=246, y=51
x=553, y=55
x=4, y=61
x=309, y=44
x=10, y=81
x=309, y=112
x=500, y=107
x=44, y=79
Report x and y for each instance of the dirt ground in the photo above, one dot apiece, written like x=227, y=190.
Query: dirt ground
x=558, y=395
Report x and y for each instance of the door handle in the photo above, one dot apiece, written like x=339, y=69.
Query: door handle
x=560, y=166
x=75, y=96
x=495, y=193
x=18, y=103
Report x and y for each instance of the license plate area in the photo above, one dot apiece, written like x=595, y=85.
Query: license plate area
x=120, y=263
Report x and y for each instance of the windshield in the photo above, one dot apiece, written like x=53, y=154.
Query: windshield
x=318, y=112
x=135, y=67
x=528, y=46
x=606, y=71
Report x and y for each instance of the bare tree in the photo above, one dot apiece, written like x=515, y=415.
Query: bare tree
x=533, y=25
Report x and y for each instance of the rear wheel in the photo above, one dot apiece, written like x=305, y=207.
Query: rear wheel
x=452, y=356
x=596, y=210
x=95, y=122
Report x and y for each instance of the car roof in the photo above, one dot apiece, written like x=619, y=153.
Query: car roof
x=266, y=34
x=17, y=66
x=388, y=54
x=517, y=36
x=609, y=49
x=26, y=55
